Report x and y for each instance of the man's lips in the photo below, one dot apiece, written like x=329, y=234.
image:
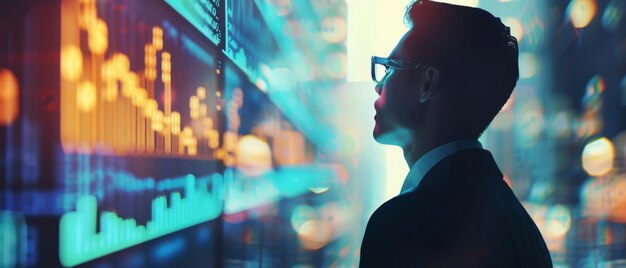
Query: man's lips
x=376, y=109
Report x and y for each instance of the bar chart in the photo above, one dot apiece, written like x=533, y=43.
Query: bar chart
x=124, y=102
x=79, y=241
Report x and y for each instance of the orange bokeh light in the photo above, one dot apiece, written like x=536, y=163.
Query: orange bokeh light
x=71, y=63
x=581, y=12
x=86, y=96
x=9, y=97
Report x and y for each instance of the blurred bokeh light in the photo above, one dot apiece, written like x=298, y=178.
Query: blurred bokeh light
x=9, y=97
x=581, y=12
x=598, y=157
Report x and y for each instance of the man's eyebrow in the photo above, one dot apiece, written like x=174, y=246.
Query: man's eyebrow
x=393, y=54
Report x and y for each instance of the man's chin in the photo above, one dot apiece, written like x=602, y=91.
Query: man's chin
x=396, y=137
x=384, y=139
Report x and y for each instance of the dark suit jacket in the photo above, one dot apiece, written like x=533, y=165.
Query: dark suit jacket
x=462, y=214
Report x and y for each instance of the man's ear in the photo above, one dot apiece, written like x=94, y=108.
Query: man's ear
x=429, y=87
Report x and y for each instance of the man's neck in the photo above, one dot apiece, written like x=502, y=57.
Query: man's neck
x=419, y=146
x=414, y=150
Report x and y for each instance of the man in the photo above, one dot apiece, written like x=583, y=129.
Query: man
x=439, y=89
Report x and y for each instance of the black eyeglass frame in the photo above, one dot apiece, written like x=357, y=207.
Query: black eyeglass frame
x=393, y=63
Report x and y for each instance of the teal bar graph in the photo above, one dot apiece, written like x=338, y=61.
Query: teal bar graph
x=80, y=243
x=242, y=193
x=240, y=198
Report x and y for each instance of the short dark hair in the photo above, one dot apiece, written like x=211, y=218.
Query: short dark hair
x=463, y=43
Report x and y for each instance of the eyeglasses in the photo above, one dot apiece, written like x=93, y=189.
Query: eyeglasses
x=380, y=67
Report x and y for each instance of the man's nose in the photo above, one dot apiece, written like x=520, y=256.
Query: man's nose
x=379, y=88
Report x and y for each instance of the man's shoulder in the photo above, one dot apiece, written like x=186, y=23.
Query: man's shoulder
x=401, y=230
x=397, y=206
x=405, y=214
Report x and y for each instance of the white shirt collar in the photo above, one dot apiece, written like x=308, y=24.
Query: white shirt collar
x=431, y=158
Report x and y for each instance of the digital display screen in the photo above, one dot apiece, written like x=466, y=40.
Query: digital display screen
x=271, y=159
x=121, y=111
x=147, y=100
x=132, y=131
x=249, y=42
x=272, y=173
x=206, y=15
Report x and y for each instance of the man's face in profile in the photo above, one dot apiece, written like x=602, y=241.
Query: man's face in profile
x=397, y=107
